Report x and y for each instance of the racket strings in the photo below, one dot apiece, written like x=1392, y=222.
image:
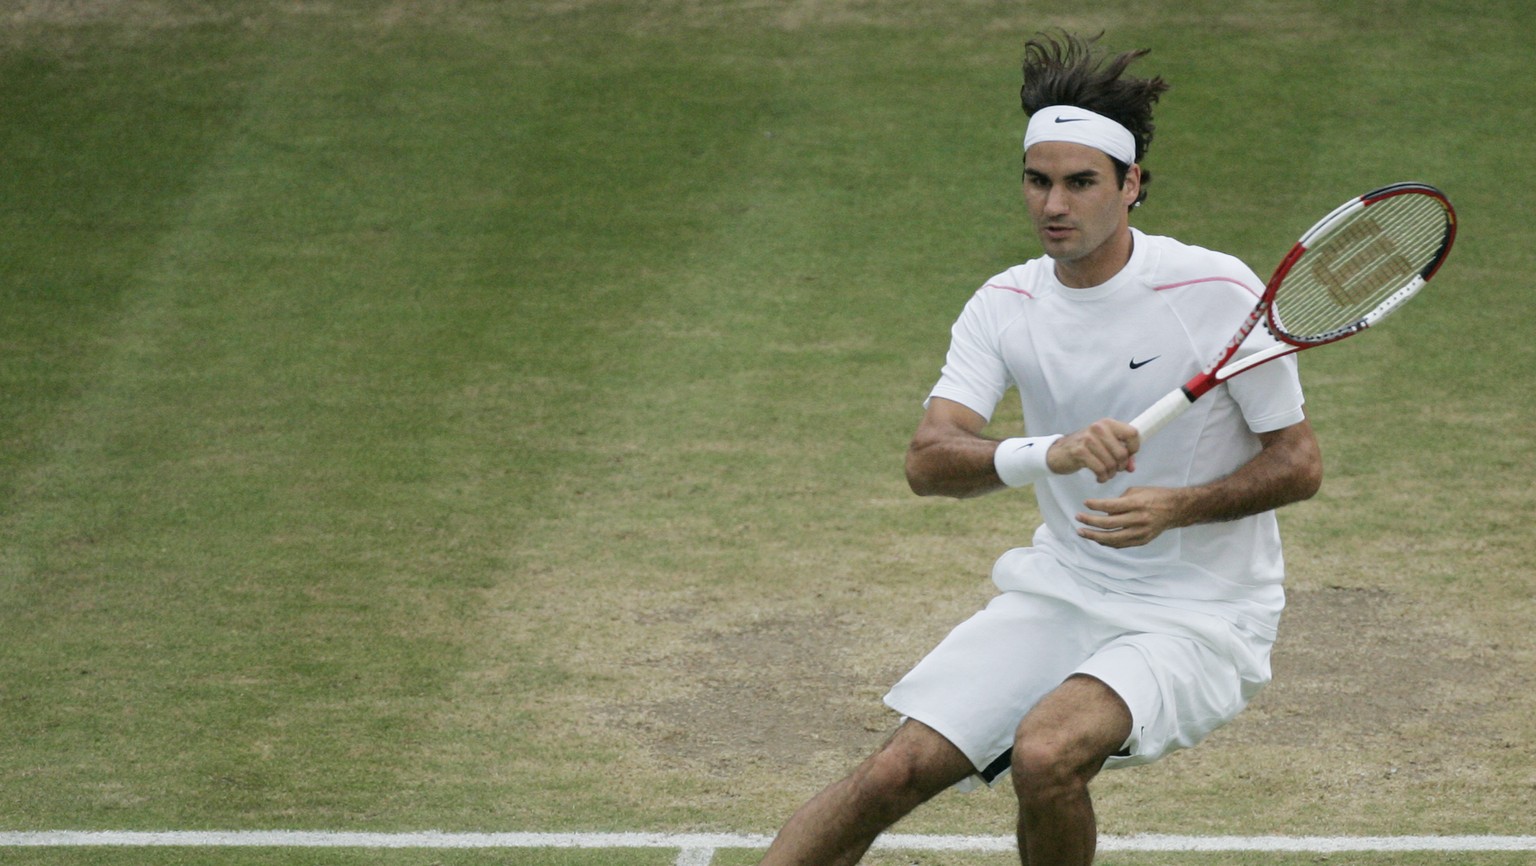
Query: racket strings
x=1360, y=266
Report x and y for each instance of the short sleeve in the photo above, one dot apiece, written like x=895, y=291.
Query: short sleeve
x=1269, y=395
x=974, y=373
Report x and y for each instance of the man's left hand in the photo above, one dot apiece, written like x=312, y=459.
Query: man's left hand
x=1133, y=518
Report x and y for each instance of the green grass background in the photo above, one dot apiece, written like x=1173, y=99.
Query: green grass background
x=386, y=385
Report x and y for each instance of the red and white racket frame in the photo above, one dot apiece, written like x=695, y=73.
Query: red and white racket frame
x=1174, y=404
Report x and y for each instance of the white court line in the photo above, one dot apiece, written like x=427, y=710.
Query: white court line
x=695, y=857
x=702, y=845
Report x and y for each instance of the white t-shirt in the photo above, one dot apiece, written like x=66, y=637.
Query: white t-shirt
x=1078, y=355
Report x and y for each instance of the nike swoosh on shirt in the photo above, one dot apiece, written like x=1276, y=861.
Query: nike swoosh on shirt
x=1070, y=119
x=1137, y=365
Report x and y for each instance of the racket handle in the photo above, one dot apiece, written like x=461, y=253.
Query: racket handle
x=1163, y=411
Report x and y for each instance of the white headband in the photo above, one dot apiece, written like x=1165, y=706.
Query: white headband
x=1080, y=126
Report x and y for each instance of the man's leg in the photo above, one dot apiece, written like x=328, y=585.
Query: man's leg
x=1060, y=746
x=838, y=825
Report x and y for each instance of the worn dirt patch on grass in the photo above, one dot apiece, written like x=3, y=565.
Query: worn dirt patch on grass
x=1394, y=689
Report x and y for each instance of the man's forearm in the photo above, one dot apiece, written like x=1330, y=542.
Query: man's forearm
x=957, y=465
x=1288, y=469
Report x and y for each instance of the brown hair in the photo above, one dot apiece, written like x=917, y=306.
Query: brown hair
x=1070, y=70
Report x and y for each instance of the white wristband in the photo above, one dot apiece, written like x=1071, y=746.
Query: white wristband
x=1021, y=461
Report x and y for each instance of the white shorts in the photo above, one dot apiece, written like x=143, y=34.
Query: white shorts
x=1182, y=671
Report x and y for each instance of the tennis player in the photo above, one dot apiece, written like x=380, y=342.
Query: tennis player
x=1142, y=615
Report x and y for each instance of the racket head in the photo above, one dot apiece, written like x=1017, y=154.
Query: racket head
x=1359, y=263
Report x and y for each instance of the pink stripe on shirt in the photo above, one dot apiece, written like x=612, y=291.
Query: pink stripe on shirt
x=1015, y=290
x=1244, y=285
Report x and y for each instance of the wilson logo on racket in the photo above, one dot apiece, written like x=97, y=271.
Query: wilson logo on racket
x=1360, y=263
x=1348, y=272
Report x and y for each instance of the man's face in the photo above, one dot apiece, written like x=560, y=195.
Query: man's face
x=1079, y=209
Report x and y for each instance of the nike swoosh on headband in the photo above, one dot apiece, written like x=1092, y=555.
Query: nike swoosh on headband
x=1077, y=125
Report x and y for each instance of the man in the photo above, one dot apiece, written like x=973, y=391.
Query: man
x=1142, y=616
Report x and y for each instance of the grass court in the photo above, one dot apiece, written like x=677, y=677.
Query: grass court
x=488, y=417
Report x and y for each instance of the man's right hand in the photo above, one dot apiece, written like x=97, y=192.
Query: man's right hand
x=1106, y=448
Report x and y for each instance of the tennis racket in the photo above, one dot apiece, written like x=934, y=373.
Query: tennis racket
x=1351, y=269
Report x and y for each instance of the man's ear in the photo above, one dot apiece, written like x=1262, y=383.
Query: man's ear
x=1130, y=191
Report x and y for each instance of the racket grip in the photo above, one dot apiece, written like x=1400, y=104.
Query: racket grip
x=1159, y=414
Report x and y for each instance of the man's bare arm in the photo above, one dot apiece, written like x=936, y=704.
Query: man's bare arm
x=1289, y=468
x=948, y=455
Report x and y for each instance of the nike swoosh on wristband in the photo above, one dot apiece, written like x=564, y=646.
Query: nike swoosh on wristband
x=1137, y=365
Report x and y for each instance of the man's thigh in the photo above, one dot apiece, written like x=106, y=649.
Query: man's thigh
x=1079, y=725
x=977, y=684
x=931, y=760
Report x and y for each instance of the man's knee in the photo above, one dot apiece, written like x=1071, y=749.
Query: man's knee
x=1062, y=744
x=1044, y=768
x=886, y=784
x=908, y=770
